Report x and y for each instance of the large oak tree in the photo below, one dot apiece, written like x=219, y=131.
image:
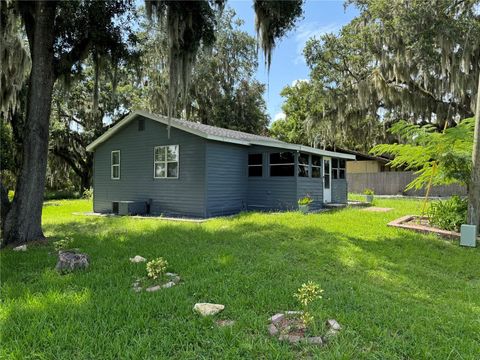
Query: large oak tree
x=60, y=34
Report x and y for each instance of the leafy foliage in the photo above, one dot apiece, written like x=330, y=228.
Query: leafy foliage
x=63, y=244
x=442, y=157
x=416, y=60
x=368, y=191
x=273, y=19
x=156, y=268
x=222, y=92
x=307, y=200
x=88, y=194
x=448, y=214
x=307, y=294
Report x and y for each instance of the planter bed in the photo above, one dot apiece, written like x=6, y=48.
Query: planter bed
x=421, y=224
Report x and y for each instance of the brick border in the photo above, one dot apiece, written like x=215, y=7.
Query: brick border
x=402, y=224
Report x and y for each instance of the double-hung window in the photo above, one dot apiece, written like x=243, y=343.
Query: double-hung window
x=303, y=167
x=255, y=165
x=338, y=168
x=316, y=166
x=115, y=165
x=165, y=162
x=282, y=164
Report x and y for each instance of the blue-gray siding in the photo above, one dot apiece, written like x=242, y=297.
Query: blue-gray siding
x=339, y=191
x=183, y=196
x=226, y=178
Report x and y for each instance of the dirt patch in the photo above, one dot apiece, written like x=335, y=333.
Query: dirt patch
x=377, y=209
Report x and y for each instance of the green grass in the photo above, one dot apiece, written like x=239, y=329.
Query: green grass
x=397, y=294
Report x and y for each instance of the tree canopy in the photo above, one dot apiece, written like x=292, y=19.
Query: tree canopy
x=418, y=61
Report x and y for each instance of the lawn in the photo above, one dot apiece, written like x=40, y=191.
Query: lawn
x=397, y=294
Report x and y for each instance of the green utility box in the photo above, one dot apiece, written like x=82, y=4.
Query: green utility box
x=468, y=235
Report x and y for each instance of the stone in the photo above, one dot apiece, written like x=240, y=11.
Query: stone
x=168, y=285
x=272, y=330
x=277, y=318
x=153, y=288
x=171, y=274
x=175, y=280
x=20, y=248
x=70, y=261
x=290, y=338
x=137, y=259
x=333, y=324
x=206, y=309
x=315, y=340
x=225, y=323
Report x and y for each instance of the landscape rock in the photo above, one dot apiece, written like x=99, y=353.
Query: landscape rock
x=316, y=340
x=136, y=286
x=168, y=285
x=176, y=279
x=206, y=309
x=277, y=318
x=20, y=248
x=153, y=288
x=272, y=330
x=171, y=274
x=225, y=323
x=333, y=324
x=70, y=261
x=138, y=259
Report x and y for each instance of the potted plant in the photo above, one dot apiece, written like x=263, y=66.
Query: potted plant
x=304, y=204
x=368, y=195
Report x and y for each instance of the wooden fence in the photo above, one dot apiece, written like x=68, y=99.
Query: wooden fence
x=394, y=183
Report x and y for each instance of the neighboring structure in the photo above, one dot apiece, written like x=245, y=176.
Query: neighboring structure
x=146, y=163
x=365, y=163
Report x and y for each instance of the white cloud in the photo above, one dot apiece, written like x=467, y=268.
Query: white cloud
x=297, y=81
x=279, y=116
x=309, y=30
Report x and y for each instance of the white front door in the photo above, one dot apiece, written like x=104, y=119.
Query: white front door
x=327, y=179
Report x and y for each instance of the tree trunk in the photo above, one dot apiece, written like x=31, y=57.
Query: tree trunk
x=23, y=221
x=474, y=188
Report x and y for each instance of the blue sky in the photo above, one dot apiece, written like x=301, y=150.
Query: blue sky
x=288, y=64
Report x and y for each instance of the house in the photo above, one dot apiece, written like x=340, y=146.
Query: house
x=146, y=163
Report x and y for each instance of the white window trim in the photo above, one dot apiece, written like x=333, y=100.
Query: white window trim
x=112, y=165
x=166, y=162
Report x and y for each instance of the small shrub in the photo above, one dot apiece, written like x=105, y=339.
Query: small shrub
x=307, y=294
x=156, y=268
x=88, y=194
x=63, y=244
x=448, y=214
x=307, y=200
x=368, y=191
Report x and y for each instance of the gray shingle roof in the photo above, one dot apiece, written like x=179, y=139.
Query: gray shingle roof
x=214, y=133
x=217, y=131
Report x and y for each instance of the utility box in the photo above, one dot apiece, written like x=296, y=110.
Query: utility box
x=468, y=235
x=129, y=207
